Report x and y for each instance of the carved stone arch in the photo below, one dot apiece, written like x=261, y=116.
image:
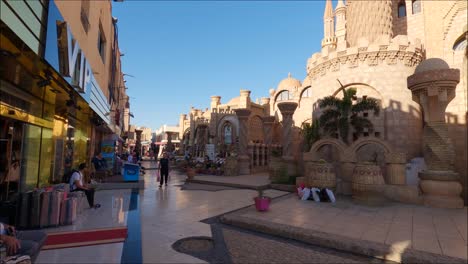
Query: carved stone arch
x=275, y=97
x=354, y=84
x=225, y=120
x=312, y=155
x=299, y=99
x=353, y=148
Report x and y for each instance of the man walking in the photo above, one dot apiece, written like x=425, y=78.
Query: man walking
x=164, y=169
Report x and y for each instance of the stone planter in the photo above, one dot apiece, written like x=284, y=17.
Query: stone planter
x=321, y=175
x=276, y=169
x=368, y=184
x=396, y=174
x=190, y=173
x=231, y=167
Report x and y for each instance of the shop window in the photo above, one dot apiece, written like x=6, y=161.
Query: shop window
x=416, y=5
x=306, y=93
x=282, y=96
x=402, y=9
x=101, y=43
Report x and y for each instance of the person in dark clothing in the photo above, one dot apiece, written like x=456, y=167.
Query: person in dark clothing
x=99, y=163
x=164, y=169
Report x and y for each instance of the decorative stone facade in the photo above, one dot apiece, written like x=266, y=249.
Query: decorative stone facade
x=374, y=47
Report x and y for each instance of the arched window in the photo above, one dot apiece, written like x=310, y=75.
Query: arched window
x=416, y=4
x=402, y=9
x=228, y=134
x=460, y=44
x=284, y=95
x=306, y=93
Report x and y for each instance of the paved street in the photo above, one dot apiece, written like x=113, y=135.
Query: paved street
x=179, y=211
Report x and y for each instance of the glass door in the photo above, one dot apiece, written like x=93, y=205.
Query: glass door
x=10, y=164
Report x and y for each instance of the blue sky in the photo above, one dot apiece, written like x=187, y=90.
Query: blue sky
x=183, y=52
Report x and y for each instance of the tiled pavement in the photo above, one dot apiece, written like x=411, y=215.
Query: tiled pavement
x=169, y=214
x=248, y=181
x=440, y=231
x=113, y=213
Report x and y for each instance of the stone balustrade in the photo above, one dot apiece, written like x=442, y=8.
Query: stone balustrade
x=259, y=155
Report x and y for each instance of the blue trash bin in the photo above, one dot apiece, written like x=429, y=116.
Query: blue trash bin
x=131, y=172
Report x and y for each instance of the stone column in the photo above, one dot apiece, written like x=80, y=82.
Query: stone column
x=287, y=110
x=243, y=158
x=433, y=87
x=268, y=122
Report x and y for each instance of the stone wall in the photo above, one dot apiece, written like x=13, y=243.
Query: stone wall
x=379, y=71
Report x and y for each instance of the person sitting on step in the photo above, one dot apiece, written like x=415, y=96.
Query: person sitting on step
x=76, y=185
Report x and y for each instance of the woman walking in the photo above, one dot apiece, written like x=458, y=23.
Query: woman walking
x=163, y=169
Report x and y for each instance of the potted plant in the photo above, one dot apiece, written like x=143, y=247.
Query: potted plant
x=262, y=203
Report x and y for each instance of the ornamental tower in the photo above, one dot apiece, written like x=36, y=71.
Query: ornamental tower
x=340, y=15
x=368, y=19
x=329, y=39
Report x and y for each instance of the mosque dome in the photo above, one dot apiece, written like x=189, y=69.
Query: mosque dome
x=289, y=83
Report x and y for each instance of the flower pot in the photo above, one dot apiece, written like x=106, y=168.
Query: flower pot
x=262, y=203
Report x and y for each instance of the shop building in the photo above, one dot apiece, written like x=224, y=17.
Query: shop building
x=62, y=96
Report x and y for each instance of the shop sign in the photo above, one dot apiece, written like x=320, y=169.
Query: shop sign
x=72, y=62
x=64, y=54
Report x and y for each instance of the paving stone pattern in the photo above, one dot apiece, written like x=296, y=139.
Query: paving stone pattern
x=395, y=231
x=250, y=248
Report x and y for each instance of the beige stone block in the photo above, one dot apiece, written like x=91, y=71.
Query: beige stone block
x=426, y=243
x=454, y=248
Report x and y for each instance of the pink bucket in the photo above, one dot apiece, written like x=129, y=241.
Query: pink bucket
x=262, y=203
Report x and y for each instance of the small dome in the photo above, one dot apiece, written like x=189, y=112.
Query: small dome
x=234, y=102
x=432, y=64
x=289, y=83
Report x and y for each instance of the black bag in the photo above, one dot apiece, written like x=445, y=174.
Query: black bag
x=324, y=195
x=67, y=176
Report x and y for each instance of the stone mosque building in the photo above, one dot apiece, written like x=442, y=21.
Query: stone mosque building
x=410, y=55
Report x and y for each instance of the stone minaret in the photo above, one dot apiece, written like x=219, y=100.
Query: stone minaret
x=368, y=19
x=329, y=39
x=340, y=15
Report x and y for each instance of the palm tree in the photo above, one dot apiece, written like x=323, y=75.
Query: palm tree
x=338, y=114
x=311, y=134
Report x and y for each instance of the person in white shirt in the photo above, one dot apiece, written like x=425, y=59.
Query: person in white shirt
x=76, y=185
